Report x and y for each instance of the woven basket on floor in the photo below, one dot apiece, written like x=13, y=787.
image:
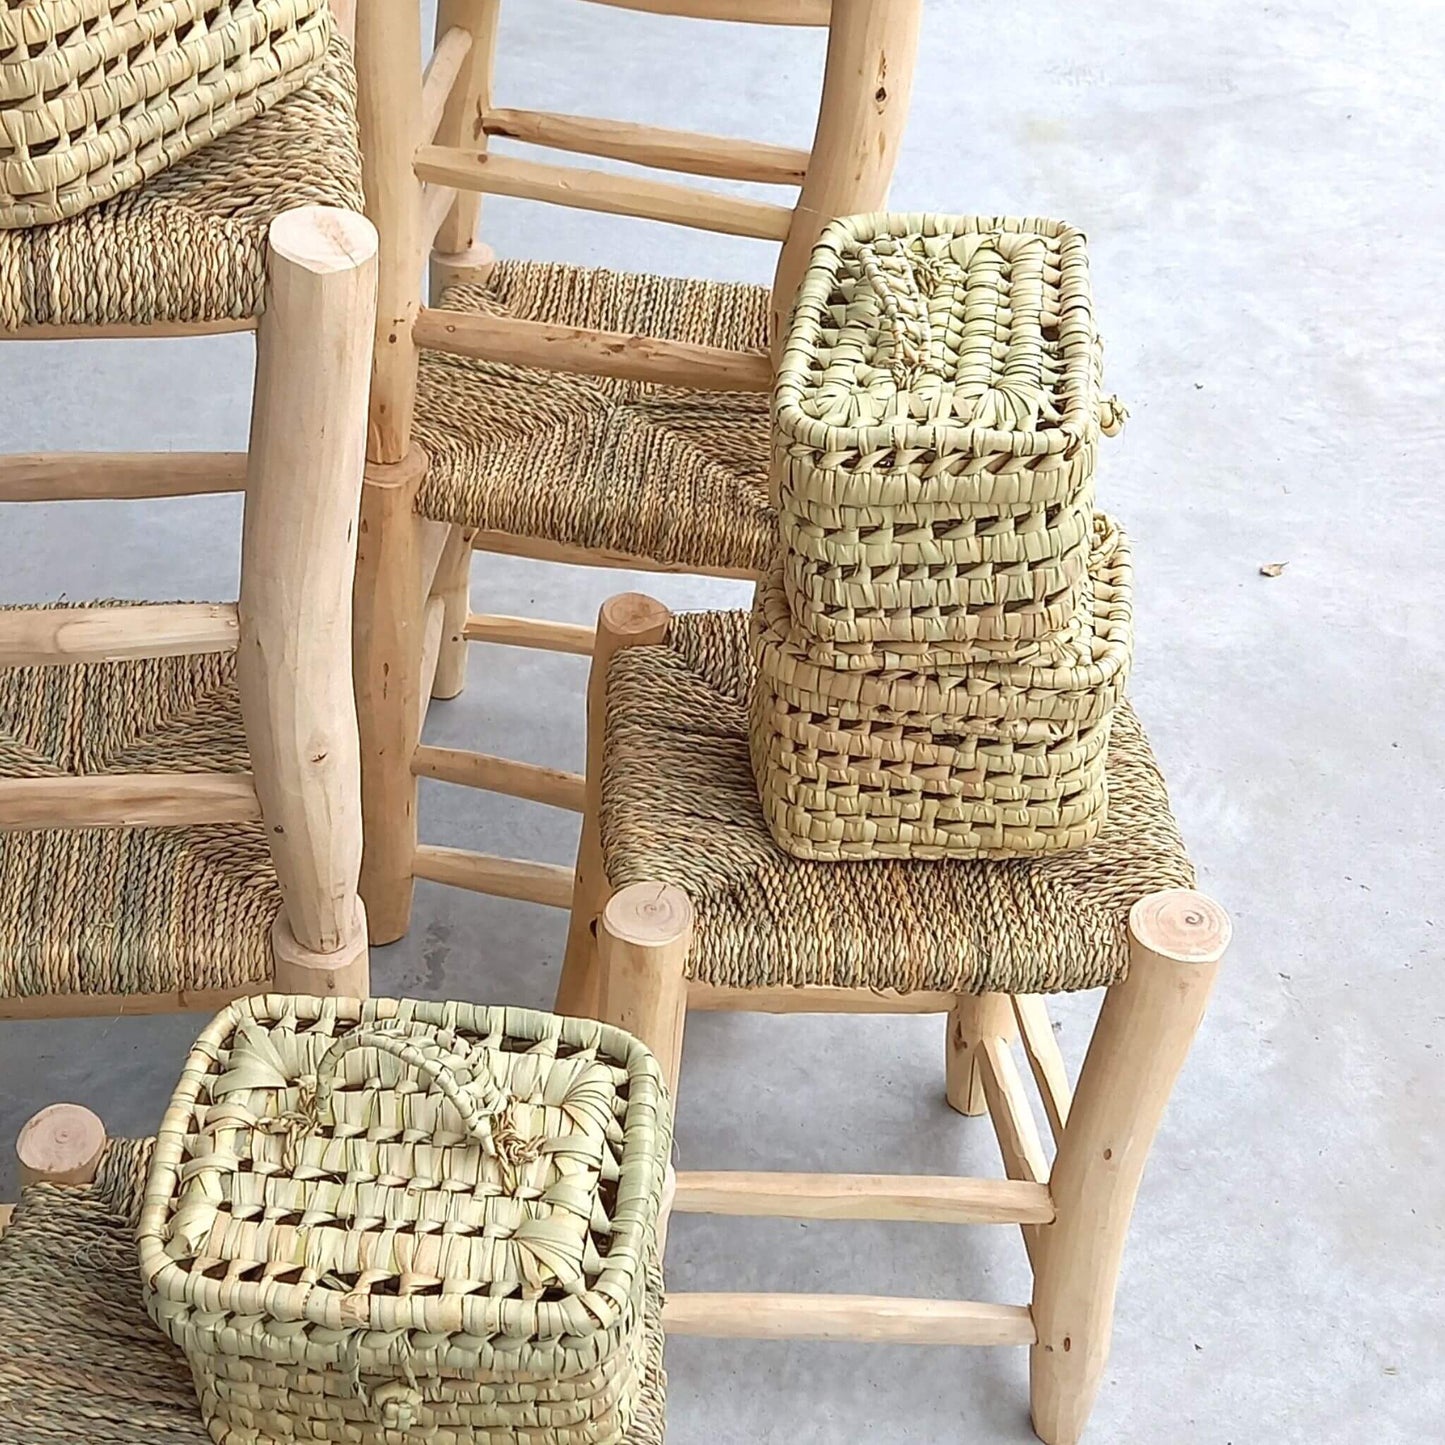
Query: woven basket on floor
x=383, y=1221
x=991, y=759
x=935, y=423
x=98, y=95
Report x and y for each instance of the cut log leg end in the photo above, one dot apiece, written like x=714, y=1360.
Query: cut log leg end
x=62, y=1144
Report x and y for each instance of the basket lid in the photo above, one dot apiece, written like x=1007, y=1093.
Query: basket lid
x=457, y=1172
x=963, y=333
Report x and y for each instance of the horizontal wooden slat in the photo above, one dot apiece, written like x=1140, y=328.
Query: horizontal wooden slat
x=555, y=788
x=592, y=353
x=646, y=145
x=114, y=1005
x=544, y=549
x=153, y=330
x=814, y=999
x=103, y=476
x=846, y=1317
x=546, y=883
x=32, y=637
x=751, y=12
x=535, y=632
x=923, y=1198
x=127, y=800
x=442, y=70
x=602, y=191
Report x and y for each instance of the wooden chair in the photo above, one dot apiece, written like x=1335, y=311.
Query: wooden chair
x=180, y=815
x=708, y=913
x=556, y=412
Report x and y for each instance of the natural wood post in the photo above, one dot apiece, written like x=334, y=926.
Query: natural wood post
x=643, y=940
x=62, y=1144
x=453, y=585
x=631, y=619
x=345, y=973
x=298, y=555
x=1145, y=1028
x=457, y=255
x=974, y=1018
x=387, y=650
x=867, y=79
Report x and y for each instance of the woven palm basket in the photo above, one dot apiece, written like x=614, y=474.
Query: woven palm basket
x=370, y=1222
x=97, y=96
x=988, y=760
x=936, y=419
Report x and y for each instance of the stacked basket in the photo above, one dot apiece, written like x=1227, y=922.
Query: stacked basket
x=947, y=630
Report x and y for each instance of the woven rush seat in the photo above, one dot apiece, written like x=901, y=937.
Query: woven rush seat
x=190, y=244
x=680, y=806
x=81, y=1364
x=675, y=476
x=130, y=910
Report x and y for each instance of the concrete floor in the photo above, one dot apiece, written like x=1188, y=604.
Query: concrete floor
x=1260, y=186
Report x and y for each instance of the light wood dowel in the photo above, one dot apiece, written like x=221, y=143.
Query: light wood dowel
x=298, y=556
x=555, y=788
x=62, y=1144
x=972, y=1019
x=433, y=621
x=33, y=637
x=865, y=1318
x=923, y=1199
x=451, y=585
x=547, y=883
x=1146, y=1027
x=1045, y=1060
x=127, y=800
x=814, y=999
x=143, y=331
x=461, y=122
x=602, y=191
x=105, y=476
x=1008, y=1105
x=345, y=972
x=442, y=71
x=645, y=145
x=532, y=632
x=751, y=12
x=593, y=353
x=541, y=549
x=436, y=206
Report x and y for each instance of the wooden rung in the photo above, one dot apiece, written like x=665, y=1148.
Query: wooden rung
x=847, y=1317
x=602, y=191
x=147, y=331
x=103, y=476
x=113, y=1005
x=814, y=999
x=546, y=883
x=751, y=12
x=531, y=632
x=545, y=549
x=1045, y=1060
x=646, y=145
x=592, y=353
x=127, y=800
x=445, y=65
x=923, y=1199
x=536, y=784
x=31, y=637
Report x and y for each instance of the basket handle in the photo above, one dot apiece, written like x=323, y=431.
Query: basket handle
x=430, y=1061
x=902, y=310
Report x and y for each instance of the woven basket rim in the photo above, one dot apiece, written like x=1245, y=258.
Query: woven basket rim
x=319, y=1304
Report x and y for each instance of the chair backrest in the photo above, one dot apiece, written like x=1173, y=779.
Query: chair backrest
x=424, y=139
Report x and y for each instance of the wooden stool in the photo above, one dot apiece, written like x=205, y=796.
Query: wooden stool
x=708, y=913
x=466, y=455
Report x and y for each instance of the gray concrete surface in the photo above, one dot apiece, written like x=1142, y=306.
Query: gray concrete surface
x=1260, y=183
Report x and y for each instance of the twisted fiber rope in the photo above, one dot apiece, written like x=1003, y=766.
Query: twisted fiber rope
x=80, y=1362
x=679, y=804
x=190, y=245
x=452, y=1198
x=675, y=476
x=130, y=910
x=98, y=95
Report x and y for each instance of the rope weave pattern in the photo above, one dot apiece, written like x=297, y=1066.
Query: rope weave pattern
x=398, y=1215
x=80, y=1362
x=96, y=96
x=679, y=805
x=678, y=477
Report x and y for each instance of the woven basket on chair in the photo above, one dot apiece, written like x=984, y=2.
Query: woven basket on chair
x=98, y=95
x=991, y=759
x=373, y=1222
x=935, y=423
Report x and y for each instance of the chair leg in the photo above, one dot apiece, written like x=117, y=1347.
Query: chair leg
x=627, y=620
x=459, y=268
x=453, y=586
x=1144, y=1033
x=973, y=1018
x=62, y=1144
x=298, y=556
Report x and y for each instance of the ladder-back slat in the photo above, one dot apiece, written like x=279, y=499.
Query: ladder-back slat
x=602, y=191
x=748, y=12
x=38, y=636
